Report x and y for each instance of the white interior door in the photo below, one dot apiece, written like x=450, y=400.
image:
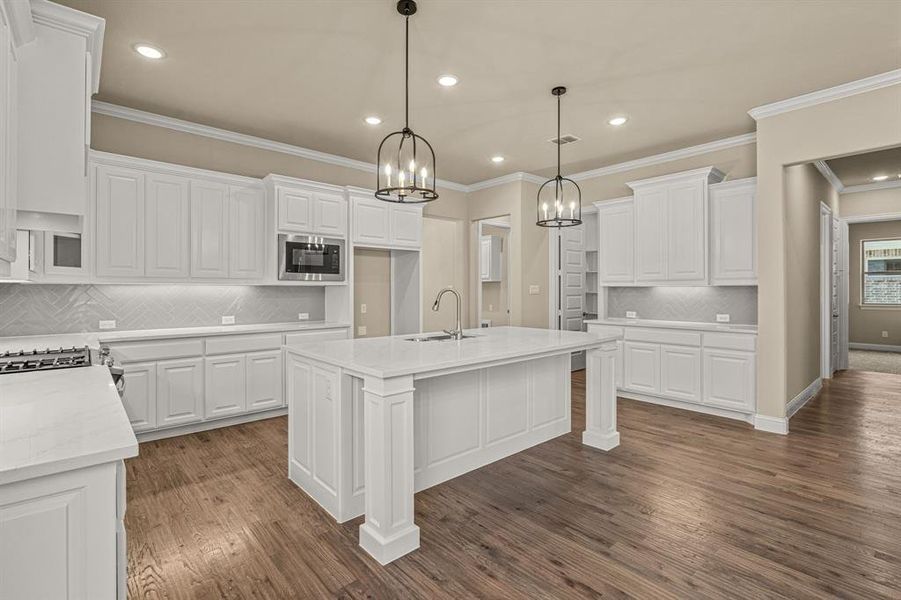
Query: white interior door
x=836, y=294
x=827, y=308
x=570, y=284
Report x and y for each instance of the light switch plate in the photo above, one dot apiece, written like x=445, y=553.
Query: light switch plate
x=228, y=320
x=885, y=334
x=107, y=324
x=722, y=318
x=363, y=309
x=303, y=316
x=534, y=290
x=361, y=330
x=631, y=314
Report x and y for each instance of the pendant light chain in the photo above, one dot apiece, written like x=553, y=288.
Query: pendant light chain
x=407, y=72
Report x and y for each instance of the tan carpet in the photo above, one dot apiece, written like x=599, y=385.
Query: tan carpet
x=870, y=360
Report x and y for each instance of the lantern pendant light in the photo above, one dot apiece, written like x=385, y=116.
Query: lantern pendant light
x=559, y=198
x=406, y=162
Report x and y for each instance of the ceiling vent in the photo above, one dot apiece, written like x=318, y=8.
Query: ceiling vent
x=564, y=139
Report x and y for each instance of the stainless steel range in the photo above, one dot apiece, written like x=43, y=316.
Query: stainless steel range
x=26, y=361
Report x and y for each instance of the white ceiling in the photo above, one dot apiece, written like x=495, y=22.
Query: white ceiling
x=308, y=72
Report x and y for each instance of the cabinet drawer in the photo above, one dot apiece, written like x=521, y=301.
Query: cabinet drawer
x=605, y=330
x=731, y=341
x=663, y=336
x=305, y=337
x=144, y=351
x=234, y=344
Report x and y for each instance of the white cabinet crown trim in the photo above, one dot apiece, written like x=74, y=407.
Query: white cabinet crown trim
x=98, y=157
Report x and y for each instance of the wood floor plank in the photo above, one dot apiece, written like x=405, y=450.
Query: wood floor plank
x=689, y=506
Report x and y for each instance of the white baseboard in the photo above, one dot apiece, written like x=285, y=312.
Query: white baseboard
x=876, y=347
x=771, y=424
x=701, y=408
x=159, y=434
x=801, y=399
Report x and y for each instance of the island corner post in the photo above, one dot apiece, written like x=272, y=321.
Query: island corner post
x=402, y=433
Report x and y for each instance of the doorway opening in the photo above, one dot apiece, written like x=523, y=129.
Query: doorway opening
x=494, y=256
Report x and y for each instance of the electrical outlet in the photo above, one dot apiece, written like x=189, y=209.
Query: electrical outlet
x=362, y=309
x=303, y=316
x=885, y=334
x=361, y=330
x=631, y=314
x=490, y=308
x=534, y=290
x=107, y=324
x=722, y=318
x=228, y=320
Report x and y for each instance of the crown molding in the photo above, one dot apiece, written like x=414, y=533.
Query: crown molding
x=148, y=118
x=869, y=187
x=99, y=157
x=17, y=16
x=867, y=84
x=665, y=157
x=90, y=27
x=504, y=179
x=877, y=218
x=830, y=175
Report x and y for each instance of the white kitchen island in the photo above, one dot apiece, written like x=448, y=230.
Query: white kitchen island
x=403, y=416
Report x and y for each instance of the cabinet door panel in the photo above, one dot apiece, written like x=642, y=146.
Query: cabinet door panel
x=140, y=395
x=406, y=226
x=733, y=251
x=680, y=373
x=686, y=235
x=247, y=247
x=224, y=386
x=650, y=235
x=641, y=368
x=330, y=215
x=295, y=210
x=209, y=229
x=167, y=227
x=371, y=223
x=179, y=391
x=120, y=227
x=616, y=256
x=264, y=380
x=730, y=379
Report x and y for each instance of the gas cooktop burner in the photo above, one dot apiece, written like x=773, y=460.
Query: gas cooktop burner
x=41, y=360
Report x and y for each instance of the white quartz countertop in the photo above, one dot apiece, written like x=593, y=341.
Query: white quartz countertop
x=723, y=327
x=61, y=420
x=94, y=339
x=395, y=356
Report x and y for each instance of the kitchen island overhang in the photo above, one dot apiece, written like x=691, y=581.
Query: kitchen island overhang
x=403, y=416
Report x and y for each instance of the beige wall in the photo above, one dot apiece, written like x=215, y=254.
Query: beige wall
x=444, y=263
x=867, y=324
x=372, y=287
x=852, y=125
x=874, y=202
x=805, y=189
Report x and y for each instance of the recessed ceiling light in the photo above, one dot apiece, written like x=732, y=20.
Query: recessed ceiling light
x=447, y=80
x=617, y=121
x=497, y=159
x=373, y=120
x=148, y=51
x=880, y=178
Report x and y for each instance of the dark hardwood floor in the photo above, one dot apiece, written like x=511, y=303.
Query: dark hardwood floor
x=689, y=506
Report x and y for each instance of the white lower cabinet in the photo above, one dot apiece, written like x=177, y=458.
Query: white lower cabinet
x=179, y=391
x=641, y=369
x=264, y=380
x=140, y=395
x=224, y=378
x=680, y=372
x=730, y=379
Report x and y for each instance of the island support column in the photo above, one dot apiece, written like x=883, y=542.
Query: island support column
x=389, y=531
x=600, y=398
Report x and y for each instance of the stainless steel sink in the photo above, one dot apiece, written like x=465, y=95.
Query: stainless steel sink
x=435, y=337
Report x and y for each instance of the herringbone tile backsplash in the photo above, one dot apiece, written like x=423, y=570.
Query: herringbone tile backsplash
x=698, y=304
x=29, y=309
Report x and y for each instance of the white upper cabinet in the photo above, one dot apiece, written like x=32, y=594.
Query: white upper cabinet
x=686, y=232
x=247, y=247
x=616, y=247
x=58, y=73
x=733, y=233
x=209, y=229
x=167, y=226
x=650, y=235
x=8, y=142
x=308, y=207
x=120, y=222
x=385, y=224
